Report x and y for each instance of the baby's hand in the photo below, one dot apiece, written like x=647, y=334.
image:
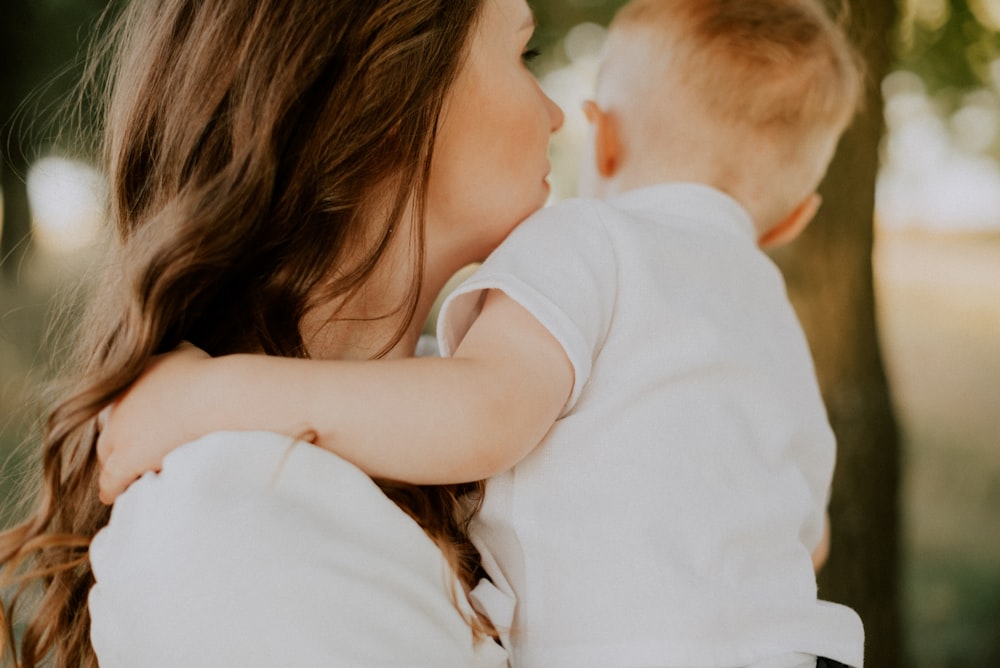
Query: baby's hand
x=153, y=418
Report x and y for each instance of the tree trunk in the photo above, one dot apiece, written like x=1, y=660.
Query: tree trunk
x=830, y=280
x=16, y=69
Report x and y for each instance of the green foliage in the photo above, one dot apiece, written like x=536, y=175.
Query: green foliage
x=951, y=44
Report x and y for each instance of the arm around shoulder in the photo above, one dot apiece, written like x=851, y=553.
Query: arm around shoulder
x=447, y=420
x=423, y=421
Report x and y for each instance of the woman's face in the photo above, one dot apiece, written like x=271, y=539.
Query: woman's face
x=491, y=156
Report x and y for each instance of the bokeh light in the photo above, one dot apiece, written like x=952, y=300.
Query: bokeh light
x=67, y=205
x=987, y=12
x=931, y=14
x=936, y=173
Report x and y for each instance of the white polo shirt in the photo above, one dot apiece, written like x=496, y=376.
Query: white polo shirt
x=669, y=516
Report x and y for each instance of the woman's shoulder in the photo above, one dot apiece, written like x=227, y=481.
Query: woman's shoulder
x=576, y=211
x=254, y=538
x=263, y=479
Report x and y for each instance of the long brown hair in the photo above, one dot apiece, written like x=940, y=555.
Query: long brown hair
x=243, y=143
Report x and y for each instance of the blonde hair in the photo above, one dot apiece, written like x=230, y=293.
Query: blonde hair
x=762, y=64
x=747, y=96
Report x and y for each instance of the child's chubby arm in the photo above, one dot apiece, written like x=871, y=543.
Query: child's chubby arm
x=419, y=420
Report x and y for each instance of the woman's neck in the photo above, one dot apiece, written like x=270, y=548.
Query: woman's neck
x=360, y=326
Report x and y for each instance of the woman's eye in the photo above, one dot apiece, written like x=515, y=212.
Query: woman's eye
x=530, y=54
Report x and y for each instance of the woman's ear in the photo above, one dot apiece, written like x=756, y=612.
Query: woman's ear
x=793, y=225
x=607, y=145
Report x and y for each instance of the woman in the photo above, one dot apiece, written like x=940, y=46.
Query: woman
x=289, y=178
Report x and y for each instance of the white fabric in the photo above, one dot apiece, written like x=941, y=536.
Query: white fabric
x=669, y=516
x=248, y=550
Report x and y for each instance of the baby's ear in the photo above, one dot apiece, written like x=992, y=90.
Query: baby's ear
x=607, y=145
x=793, y=225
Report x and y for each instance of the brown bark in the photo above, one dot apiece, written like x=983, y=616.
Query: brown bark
x=13, y=88
x=830, y=279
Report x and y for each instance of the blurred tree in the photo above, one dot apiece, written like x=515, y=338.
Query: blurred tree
x=39, y=43
x=950, y=44
x=18, y=72
x=830, y=280
x=954, y=47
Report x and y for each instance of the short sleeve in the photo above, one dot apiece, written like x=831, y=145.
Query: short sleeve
x=560, y=265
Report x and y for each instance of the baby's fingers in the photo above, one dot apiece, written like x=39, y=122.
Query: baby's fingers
x=117, y=471
x=114, y=479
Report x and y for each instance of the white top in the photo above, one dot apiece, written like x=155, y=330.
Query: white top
x=669, y=516
x=248, y=550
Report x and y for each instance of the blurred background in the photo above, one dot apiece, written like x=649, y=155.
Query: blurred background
x=898, y=287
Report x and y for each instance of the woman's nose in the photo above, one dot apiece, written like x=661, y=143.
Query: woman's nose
x=556, y=115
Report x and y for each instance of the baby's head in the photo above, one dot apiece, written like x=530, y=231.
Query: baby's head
x=748, y=96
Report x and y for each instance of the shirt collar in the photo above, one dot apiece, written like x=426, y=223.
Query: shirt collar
x=693, y=201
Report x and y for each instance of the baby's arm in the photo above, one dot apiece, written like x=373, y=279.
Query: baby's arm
x=424, y=421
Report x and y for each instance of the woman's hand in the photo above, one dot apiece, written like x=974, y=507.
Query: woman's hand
x=154, y=417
